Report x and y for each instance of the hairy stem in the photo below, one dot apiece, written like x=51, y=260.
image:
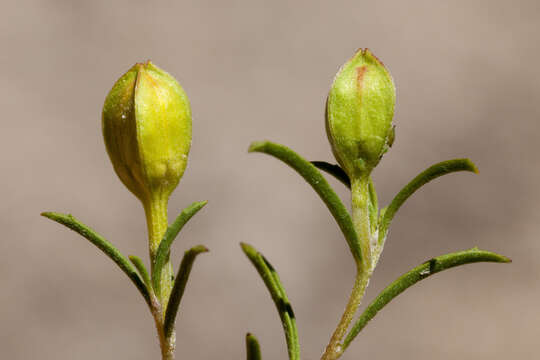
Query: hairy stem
x=360, y=216
x=167, y=348
x=167, y=344
x=334, y=348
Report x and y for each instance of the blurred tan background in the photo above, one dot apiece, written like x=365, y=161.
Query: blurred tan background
x=468, y=85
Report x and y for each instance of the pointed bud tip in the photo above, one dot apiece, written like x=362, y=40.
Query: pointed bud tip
x=366, y=54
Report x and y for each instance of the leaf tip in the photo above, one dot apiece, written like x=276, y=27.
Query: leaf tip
x=256, y=146
x=501, y=258
x=472, y=166
x=200, y=249
x=248, y=249
x=250, y=338
x=54, y=216
x=493, y=256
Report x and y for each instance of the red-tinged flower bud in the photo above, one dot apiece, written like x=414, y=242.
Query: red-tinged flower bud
x=359, y=113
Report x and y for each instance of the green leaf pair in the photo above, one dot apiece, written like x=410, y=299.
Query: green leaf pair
x=314, y=178
x=147, y=285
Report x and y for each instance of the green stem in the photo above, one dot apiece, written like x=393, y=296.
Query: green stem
x=157, y=221
x=166, y=343
x=360, y=218
x=334, y=349
x=167, y=348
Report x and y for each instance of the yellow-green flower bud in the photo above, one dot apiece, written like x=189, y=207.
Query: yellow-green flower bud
x=359, y=113
x=147, y=129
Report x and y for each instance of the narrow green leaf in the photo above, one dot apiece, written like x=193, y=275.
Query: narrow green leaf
x=179, y=286
x=421, y=272
x=334, y=170
x=373, y=206
x=431, y=173
x=162, y=253
x=142, y=270
x=274, y=286
x=253, y=349
x=105, y=246
x=314, y=178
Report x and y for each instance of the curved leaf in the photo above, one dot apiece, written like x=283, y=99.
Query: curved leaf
x=253, y=349
x=274, y=286
x=421, y=272
x=162, y=253
x=431, y=173
x=135, y=260
x=314, y=178
x=179, y=287
x=334, y=170
x=340, y=174
x=105, y=246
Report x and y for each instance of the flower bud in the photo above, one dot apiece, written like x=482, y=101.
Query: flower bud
x=359, y=112
x=147, y=130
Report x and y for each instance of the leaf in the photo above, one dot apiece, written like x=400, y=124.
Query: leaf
x=314, y=178
x=142, y=270
x=179, y=286
x=253, y=349
x=431, y=173
x=334, y=170
x=162, y=253
x=421, y=272
x=105, y=246
x=373, y=206
x=274, y=286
